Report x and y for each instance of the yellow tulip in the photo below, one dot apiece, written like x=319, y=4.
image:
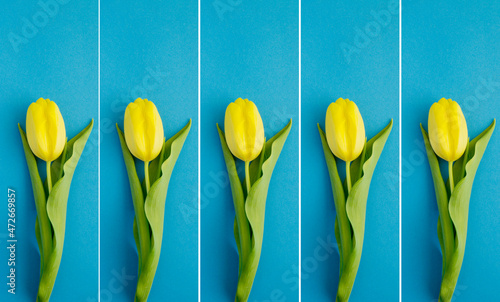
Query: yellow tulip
x=447, y=130
x=244, y=129
x=45, y=130
x=345, y=131
x=143, y=130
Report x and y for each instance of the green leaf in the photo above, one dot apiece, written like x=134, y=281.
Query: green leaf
x=255, y=207
x=39, y=242
x=241, y=226
x=154, y=166
x=256, y=166
x=343, y=231
x=57, y=165
x=154, y=207
x=339, y=244
x=444, y=221
x=238, y=245
x=136, y=189
x=357, y=166
x=459, y=211
x=44, y=228
x=459, y=167
x=56, y=211
x=441, y=243
x=356, y=211
x=138, y=244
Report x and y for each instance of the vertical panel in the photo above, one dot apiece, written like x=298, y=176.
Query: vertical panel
x=149, y=50
x=450, y=49
x=350, y=50
x=49, y=50
x=249, y=50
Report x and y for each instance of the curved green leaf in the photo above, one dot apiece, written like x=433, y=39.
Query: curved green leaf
x=56, y=168
x=445, y=234
x=154, y=207
x=356, y=211
x=43, y=228
x=336, y=230
x=56, y=211
x=256, y=165
x=343, y=231
x=357, y=166
x=154, y=167
x=241, y=226
x=137, y=241
x=255, y=207
x=39, y=242
x=459, y=211
x=141, y=230
x=459, y=167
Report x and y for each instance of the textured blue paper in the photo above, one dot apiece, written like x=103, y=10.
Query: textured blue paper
x=149, y=50
x=450, y=49
x=59, y=62
x=367, y=74
x=249, y=50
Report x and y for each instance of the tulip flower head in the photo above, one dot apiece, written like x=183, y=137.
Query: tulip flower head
x=45, y=129
x=345, y=131
x=143, y=130
x=447, y=129
x=244, y=129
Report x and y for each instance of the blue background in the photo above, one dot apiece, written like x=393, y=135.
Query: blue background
x=369, y=77
x=138, y=37
x=59, y=63
x=448, y=49
x=250, y=51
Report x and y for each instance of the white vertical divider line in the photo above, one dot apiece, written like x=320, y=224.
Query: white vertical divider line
x=99, y=150
x=199, y=150
x=400, y=151
x=300, y=149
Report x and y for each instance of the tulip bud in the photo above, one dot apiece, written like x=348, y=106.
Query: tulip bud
x=447, y=129
x=143, y=130
x=244, y=129
x=45, y=129
x=345, y=131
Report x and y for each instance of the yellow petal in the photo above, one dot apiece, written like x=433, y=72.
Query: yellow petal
x=143, y=129
x=244, y=129
x=45, y=129
x=448, y=133
x=345, y=130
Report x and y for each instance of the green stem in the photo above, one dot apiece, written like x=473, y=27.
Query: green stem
x=450, y=171
x=446, y=229
x=450, y=276
x=143, y=227
x=348, y=176
x=348, y=276
x=49, y=177
x=247, y=277
x=247, y=175
x=44, y=223
x=49, y=275
x=146, y=175
x=242, y=220
x=146, y=277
